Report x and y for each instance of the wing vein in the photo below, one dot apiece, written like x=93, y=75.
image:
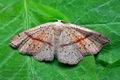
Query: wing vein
x=30, y=36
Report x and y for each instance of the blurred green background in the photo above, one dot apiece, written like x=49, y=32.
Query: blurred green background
x=100, y=15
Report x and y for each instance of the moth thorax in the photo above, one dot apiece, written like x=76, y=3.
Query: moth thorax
x=57, y=31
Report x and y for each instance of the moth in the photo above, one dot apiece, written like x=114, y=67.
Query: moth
x=67, y=42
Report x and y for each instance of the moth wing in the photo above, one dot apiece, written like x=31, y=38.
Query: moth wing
x=46, y=53
x=67, y=54
x=75, y=42
x=35, y=42
x=21, y=37
x=86, y=40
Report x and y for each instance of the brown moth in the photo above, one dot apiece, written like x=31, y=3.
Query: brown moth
x=69, y=43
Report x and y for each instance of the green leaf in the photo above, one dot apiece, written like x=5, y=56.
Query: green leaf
x=110, y=72
x=100, y=15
